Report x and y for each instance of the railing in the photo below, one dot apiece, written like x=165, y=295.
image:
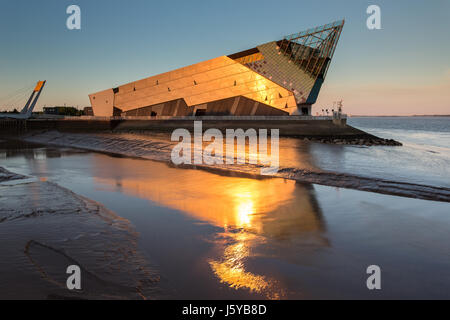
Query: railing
x=212, y=118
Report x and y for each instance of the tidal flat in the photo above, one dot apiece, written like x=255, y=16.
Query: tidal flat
x=142, y=229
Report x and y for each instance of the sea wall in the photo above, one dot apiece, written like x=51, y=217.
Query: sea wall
x=319, y=129
x=12, y=126
x=70, y=124
x=289, y=126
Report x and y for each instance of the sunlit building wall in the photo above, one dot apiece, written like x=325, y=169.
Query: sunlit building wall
x=277, y=78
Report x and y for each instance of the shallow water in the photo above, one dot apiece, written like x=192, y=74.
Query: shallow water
x=389, y=170
x=424, y=157
x=226, y=235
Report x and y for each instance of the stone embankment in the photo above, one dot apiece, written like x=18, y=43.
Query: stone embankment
x=369, y=141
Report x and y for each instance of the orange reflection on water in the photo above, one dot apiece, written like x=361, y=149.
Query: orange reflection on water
x=232, y=269
x=223, y=201
x=251, y=211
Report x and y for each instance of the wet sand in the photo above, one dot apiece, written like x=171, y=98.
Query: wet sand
x=6, y=175
x=204, y=235
x=44, y=228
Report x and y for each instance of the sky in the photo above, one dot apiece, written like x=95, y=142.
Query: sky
x=401, y=69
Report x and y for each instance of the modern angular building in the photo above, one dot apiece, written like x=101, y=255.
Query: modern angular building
x=277, y=78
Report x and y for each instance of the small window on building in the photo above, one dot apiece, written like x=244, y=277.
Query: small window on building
x=168, y=89
x=279, y=94
x=200, y=112
x=195, y=82
x=235, y=83
x=153, y=114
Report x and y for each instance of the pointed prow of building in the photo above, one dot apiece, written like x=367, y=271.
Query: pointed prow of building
x=27, y=110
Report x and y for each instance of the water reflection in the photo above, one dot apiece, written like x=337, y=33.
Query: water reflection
x=259, y=217
x=230, y=268
x=33, y=151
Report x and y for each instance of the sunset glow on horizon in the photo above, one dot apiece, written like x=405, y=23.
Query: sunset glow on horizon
x=402, y=69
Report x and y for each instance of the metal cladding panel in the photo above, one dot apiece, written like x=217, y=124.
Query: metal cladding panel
x=103, y=103
x=211, y=80
x=238, y=106
x=169, y=108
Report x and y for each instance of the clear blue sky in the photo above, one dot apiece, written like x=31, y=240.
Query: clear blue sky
x=383, y=71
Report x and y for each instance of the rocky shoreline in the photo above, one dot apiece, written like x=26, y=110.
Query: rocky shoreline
x=368, y=141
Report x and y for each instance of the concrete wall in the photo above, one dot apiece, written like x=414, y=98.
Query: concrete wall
x=12, y=126
x=68, y=125
x=287, y=127
x=300, y=128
